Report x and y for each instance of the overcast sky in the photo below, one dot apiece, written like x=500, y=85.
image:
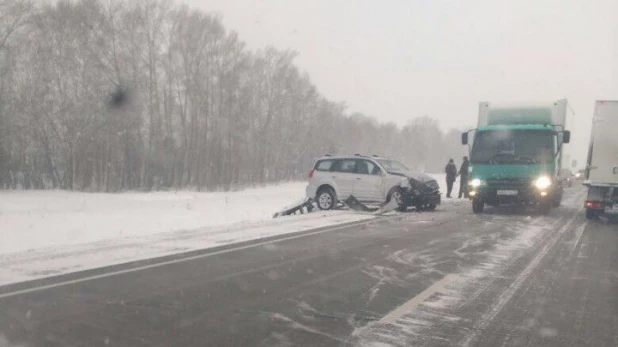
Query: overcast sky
x=396, y=60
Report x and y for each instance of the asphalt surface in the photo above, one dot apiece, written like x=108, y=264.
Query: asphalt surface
x=444, y=278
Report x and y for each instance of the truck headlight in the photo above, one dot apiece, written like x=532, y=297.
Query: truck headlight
x=542, y=182
x=475, y=183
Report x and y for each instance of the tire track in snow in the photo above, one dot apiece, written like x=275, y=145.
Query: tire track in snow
x=541, y=239
x=302, y=327
x=506, y=295
x=442, y=317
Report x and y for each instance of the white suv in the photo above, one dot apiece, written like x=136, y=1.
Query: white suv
x=370, y=180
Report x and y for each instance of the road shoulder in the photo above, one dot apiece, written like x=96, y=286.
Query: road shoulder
x=134, y=252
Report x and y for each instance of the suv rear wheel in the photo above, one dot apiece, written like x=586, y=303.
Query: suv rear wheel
x=326, y=199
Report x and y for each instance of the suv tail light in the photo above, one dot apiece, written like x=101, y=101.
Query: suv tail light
x=311, y=173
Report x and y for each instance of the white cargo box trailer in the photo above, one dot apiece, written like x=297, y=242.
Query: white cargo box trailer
x=602, y=168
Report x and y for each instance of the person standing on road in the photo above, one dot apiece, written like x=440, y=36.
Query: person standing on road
x=463, y=178
x=451, y=176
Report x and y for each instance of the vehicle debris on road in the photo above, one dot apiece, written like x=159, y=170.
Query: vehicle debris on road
x=306, y=205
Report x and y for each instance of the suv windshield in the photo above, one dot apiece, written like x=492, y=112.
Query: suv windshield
x=392, y=165
x=513, y=147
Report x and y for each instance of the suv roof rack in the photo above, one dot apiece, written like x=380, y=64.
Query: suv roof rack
x=327, y=155
x=375, y=156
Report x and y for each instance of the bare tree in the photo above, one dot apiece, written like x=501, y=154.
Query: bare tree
x=106, y=95
x=14, y=16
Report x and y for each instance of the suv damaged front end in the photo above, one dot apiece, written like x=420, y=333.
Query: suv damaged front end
x=420, y=191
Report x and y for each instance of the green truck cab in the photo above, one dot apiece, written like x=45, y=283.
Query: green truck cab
x=516, y=154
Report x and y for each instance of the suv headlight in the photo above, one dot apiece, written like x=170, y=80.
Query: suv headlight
x=475, y=183
x=405, y=183
x=542, y=182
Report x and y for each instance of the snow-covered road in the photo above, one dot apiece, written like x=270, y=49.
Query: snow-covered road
x=508, y=277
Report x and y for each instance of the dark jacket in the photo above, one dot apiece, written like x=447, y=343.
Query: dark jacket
x=451, y=172
x=463, y=170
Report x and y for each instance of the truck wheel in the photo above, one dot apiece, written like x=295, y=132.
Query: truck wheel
x=431, y=207
x=326, y=199
x=478, y=206
x=590, y=213
x=545, y=207
x=558, y=198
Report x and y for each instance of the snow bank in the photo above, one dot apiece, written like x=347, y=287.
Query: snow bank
x=48, y=233
x=37, y=219
x=41, y=219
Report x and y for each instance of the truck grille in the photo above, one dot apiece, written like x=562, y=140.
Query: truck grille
x=509, y=182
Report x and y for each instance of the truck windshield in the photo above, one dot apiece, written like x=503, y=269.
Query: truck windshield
x=513, y=147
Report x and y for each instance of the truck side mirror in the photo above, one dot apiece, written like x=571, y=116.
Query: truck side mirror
x=566, y=136
x=464, y=138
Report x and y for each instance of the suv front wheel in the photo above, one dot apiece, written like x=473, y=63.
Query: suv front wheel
x=397, y=194
x=325, y=199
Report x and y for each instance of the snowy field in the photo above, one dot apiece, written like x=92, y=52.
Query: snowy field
x=48, y=233
x=35, y=219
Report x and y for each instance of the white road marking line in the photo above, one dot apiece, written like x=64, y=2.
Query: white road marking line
x=578, y=239
x=180, y=260
x=392, y=316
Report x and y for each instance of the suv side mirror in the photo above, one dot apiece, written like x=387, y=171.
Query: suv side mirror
x=566, y=136
x=464, y=138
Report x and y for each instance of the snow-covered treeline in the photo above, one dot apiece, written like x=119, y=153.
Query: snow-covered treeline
x=116, y=95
